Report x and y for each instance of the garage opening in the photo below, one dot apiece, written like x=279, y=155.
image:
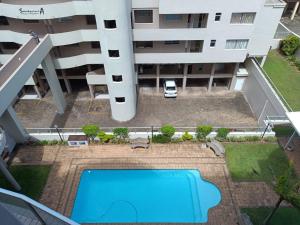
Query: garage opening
x=221, y=83
x=147, y=83
x=203, y=82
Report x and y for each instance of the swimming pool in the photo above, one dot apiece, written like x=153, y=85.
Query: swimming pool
x=144, y=196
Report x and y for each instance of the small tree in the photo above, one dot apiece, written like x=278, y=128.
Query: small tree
x=187, y=136
x=287, y=187
x=222, y=133
x=121, y=133
x=168, y=130
x=91, y=131
x=203, y=131
x=290, y=45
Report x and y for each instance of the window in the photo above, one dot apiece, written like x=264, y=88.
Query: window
x=172, y=42
x=173, y=17
x=73, y=45
x=90, y=20
x=242, y=18
x=65, y=19
x=236, y=44
x=212, y=43
x=218, y=16
x=95, y=44
x=144, y=44
x=30, y=21
x=3, y=20
x=110, y=24
x=10, y=45
x=113, y=53
x=143, y=16
x=117, y=78
x=120, y=99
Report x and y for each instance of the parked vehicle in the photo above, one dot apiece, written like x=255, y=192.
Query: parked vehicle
x=170, y=89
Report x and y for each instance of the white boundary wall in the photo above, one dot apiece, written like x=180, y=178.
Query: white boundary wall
x=133, y=135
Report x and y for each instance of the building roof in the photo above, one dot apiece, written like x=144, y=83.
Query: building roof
x=294, y=117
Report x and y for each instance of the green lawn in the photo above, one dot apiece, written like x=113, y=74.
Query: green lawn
x=31, y=178
x=286, y=78
x=288, y=216
x=255, y=162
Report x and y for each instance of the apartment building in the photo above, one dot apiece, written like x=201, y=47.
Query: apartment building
x=112, y=47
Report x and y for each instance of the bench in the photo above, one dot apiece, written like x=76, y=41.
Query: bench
x=217, y=147
x=140, y=143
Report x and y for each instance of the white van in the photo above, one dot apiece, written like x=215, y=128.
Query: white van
x=170, y=89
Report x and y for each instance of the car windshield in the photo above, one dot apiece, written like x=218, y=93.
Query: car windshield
x=171, y=88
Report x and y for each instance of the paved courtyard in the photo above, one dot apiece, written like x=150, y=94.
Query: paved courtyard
x=223, y=109
x=68, y=163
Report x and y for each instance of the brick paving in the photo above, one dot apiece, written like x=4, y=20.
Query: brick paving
x=68, y=163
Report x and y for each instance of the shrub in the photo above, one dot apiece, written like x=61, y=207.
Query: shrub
x=270, y=139
x=161, y=139
x=121, y=133
x=168, y=131
x=291, y=58
x=186, y=136
x=203, y=131
x=176, y=140
x=297, y=64
x=90, y=131
x=290, y=45
x=222, y=133
x=244, y=139
x=104, y=138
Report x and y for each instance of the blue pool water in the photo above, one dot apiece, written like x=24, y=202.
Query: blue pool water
x=144, y=196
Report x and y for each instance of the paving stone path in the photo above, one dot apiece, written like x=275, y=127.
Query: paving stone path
x=68, y=163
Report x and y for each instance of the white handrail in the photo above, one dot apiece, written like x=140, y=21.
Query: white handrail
x=38, y=205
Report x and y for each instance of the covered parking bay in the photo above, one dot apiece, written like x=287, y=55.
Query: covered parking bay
x=207, y=76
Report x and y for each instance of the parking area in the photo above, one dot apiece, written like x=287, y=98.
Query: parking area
x=194, y=107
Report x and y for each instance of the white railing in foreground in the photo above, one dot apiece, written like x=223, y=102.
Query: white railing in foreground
x=24, y=208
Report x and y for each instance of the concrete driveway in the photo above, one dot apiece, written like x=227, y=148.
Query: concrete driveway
x=224, y=109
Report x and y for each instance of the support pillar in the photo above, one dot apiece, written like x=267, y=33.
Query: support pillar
x=295, y=10
x=53, y=82
x=67, y=82
x=211, y=79
x=234, y=78
x=92, y=91
x=8, y=175
x=185, y=72
x=37, y=91
x=157, y=77
x=12, y=125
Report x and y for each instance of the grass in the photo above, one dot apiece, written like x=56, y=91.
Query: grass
x=31, y=178
x=283, y=130
x=255, y=162
x=286, y=77
x=289, y=216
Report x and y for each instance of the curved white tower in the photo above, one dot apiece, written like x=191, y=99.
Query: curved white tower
x=114, y=24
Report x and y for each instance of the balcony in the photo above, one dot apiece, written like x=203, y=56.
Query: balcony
x=77, y=49
x=34, y=2
x=41, y=27
x=168, y=46
x=150, y=18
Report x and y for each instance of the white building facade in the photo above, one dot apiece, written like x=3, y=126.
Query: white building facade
x=112, y=47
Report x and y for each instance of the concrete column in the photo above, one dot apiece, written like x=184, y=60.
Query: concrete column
x=185, y=72
x=12, y=125
x=89, y=67
x=295, y=10
x=67, y=82
x=92, y=91
x=8, y=175
x=233, y=80
x=211, y=79
x=121, y=40
x=157, y=77
x=53, y=82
